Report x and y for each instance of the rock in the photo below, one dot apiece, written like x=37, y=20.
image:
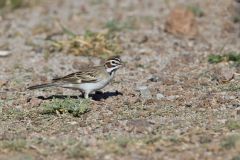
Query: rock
x=181, y=22
x=35, y=102
x=72, y=123
x=4, y=53
x=154, y=78
x=160, y=96
x=147, y=51
x=144, y=92
x=224, y=74
x=228, y=97
x=236, y=106
x=173, y=97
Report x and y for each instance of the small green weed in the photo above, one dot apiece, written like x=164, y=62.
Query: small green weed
x=15, y=4
x=116, y=26
x=122, y=141
x=113, y=25
x=236, y=157
x=231, y=56
x=215, y=58
x=174, y=139
x=78, y=151
x=118, y=144
x=13, y=145
x=236, y=19
x=230, y=87
x=232, y=125
x=13, y=113
x=230, y=142
x=2, y=3
x=1, y=106
x=76, y=107
x=96, y=2
x=196, y=10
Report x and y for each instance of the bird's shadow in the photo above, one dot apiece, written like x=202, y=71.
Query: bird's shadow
x=97, y=96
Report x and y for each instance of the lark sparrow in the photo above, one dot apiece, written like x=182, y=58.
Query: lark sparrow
x=87, y=80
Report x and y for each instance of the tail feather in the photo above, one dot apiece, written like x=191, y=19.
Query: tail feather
x=41, y=86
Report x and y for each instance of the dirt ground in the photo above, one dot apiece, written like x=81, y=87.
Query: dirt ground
x=185, y=112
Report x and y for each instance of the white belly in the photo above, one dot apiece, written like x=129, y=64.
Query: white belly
x=93, y=86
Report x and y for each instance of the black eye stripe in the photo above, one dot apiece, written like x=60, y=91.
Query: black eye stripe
x=116, y=58
x=115, y=62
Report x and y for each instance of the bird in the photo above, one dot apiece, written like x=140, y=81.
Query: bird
x=87, y=79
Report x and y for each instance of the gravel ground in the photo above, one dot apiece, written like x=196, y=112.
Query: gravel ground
x=168, y=102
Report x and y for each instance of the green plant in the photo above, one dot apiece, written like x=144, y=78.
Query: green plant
x=13, y=113
x=196, y=10
x=215, y=58
x=77, y=151
x=116, y=26
x=230, y=141
x=13, y=145
x=3, y=3
x=231, y=56
x=232, y=125
x=113, y=25
x=230, y=87
x=89, y=34
x=236, y=19
x=14, y=4
x=236, y=157
x=76, y=107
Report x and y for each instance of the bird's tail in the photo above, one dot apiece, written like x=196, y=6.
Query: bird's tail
x=41, y=86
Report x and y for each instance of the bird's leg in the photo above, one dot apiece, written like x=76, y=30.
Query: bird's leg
x=78, y=96
x=86, y=95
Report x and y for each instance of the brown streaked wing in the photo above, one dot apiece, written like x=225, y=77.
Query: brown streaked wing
x=78, y=77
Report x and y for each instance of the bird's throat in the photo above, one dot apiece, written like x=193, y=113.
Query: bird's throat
x=111, y=71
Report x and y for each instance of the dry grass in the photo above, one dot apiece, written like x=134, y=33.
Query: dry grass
x=102, y=45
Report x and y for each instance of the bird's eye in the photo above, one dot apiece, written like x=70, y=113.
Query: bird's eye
x=114, y=63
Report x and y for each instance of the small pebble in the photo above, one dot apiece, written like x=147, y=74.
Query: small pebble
x=4, y=53
x=170, y=98
x=160, y=96
x=154, y=78
x=144, y=92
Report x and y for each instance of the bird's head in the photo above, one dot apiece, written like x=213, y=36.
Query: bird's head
x=113, y=63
